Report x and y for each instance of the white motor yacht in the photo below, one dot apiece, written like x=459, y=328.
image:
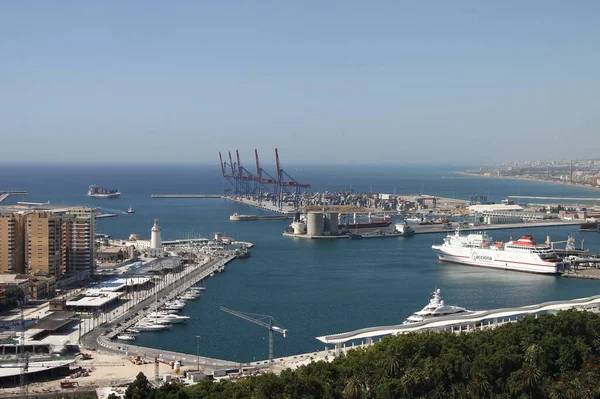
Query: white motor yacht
x=174, y=305
x=126, y=337
x=188, y=296
x=435, y=308
x=145, y=325
x=171, y=318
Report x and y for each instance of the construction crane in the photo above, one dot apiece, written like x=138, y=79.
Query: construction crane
x=264, y=321
x=24, y=359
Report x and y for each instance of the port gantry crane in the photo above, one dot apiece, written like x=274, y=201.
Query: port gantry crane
x=264, y=321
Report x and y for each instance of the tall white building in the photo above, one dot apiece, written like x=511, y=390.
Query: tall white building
x=156, y=249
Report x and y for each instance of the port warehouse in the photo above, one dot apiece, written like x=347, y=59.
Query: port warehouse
x=505, y=213
x=101, y=297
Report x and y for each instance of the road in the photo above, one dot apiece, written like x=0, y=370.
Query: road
x=99, y=340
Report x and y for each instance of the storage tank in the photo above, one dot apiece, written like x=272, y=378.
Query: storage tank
x=299, y=228
x=314, y=225
x=333, y=223
x=326, y=228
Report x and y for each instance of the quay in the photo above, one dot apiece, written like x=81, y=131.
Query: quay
x=429, y=229
x=265, y=205
x=242, y=218
x=185, y=196
x=554, y=198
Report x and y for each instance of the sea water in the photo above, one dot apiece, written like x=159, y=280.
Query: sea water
x=310, y=287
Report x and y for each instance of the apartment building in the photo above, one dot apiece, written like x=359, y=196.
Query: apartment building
x=43, y=237
x=47, y=240
x=11, y=243
x=78, y=243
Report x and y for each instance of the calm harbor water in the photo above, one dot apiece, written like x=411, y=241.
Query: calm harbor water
x=311, y=287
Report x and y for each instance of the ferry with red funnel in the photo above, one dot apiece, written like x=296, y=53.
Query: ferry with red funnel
x=479, y=249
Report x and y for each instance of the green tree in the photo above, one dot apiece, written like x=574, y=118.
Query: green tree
x=140, y=388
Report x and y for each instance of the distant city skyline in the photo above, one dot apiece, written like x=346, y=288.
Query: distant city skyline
x=338, y=82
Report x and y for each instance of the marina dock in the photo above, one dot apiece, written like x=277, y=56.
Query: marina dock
x=99, y=339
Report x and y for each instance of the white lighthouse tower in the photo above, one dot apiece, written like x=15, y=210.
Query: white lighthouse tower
x=156, y=249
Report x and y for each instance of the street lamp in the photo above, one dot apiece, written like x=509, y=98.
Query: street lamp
x=198, y=352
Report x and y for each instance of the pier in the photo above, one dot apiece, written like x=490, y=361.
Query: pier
x=185, y=196
x=242, y=218
x=4, y=194
x=106, y=215
x=464, y=322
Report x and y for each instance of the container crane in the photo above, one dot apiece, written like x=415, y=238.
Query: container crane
x=264, y=321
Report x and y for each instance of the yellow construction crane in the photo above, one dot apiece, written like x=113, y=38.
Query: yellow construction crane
x=262, y=320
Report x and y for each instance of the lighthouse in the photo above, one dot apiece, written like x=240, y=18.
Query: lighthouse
x=156, y=249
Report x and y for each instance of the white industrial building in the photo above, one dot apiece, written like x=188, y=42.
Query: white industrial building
x=507, y=213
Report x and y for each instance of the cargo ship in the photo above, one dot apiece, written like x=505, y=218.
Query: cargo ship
x=478, y=249
x=371, y=223
x=97, y=192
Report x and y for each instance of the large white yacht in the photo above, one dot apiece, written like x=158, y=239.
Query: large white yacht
x=435, y=308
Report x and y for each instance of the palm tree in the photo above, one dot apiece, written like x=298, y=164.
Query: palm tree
x=353, y=389
x=480, y=387
x=531, y=376
x=390, y=364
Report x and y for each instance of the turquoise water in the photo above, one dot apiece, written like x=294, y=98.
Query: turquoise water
x=311, y=287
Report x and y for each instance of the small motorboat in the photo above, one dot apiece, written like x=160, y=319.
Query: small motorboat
x=130, y=210
x=126, y=337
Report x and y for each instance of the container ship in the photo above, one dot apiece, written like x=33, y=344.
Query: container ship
x=522, y=255
x=97, y=192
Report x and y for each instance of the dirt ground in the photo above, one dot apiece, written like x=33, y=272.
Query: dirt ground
x=106, y=371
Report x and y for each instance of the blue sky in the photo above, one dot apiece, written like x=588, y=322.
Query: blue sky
x=335, y=81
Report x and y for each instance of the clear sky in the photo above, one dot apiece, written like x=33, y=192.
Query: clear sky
x=324, y=81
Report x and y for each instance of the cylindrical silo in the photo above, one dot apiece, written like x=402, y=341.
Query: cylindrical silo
x=333, y=223
x=314, y=225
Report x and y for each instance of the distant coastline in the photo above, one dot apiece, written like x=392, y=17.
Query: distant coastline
x=527, y=178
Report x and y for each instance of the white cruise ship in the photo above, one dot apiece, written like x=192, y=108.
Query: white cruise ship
x=435, y=308
x=478, y=249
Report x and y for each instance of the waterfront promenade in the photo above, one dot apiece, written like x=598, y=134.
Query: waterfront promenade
x=99, y=338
